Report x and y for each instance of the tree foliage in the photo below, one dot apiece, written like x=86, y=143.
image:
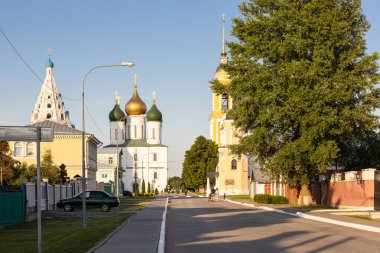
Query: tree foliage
x=202, y=157
x=175, y=183
x=49, y=169
x=302, y=84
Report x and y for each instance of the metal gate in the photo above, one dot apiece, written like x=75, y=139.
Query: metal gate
x=12, y=206
x=377, y=190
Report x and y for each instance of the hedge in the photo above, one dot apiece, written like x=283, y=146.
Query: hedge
x=269, y=199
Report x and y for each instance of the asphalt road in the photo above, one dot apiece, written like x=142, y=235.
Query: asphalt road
x=195, y=225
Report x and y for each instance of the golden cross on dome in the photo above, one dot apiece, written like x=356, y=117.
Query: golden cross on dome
x=135, y=77
x=49, y=51
x=117, y=98
x=154, y=97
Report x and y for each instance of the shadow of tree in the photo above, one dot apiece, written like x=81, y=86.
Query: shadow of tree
x=196, y=225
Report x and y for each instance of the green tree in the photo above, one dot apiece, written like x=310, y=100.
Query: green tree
x=149, y=190
x=62, y=173
x=302, y=84
x=6, y=163
x=143, y=187
x=49, y=170
x=202, y=157
x=174, y=183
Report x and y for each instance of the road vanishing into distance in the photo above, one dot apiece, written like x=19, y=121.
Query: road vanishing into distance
x=195, y=225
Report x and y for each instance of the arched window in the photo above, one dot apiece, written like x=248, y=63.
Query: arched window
x=48, y=105
x=48, y=116
x=155, y=175
x=31, y=149
x=153, y=134
x=225, y=101
x=62, y=118
x=17, y=149
x=234, y=164
x=155, y=157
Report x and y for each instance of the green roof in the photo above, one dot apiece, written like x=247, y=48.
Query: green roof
x=154, y=114
x=116, y=114
x=136, y=143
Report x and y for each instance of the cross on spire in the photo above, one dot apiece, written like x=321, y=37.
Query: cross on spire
x=154, y=97
x=223, y=39
x=49, y=51
x=117, y=98
x=135, y=78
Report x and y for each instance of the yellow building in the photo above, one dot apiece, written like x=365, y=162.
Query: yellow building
x=233, y=172
x=66, y=148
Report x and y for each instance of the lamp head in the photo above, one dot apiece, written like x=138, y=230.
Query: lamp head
x=127, y=64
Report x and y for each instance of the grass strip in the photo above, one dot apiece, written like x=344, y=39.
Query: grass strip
x=59, y=235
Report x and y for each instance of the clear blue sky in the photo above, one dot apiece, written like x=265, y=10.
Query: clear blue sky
x=175, y=45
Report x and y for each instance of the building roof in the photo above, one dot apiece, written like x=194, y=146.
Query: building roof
x=135, y=143
x=61, y=129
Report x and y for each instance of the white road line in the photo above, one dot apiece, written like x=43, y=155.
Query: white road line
x=161, y=244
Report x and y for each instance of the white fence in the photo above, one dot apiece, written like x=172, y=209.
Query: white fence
x=50, y=195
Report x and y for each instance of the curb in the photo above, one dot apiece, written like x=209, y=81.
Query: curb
x=110, y=235
x=161, y=244
x=311, y=217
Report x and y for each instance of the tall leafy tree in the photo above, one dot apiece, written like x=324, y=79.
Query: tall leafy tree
x=202, y=157
x=303, y=85
x=6, y=163
x=49, y=169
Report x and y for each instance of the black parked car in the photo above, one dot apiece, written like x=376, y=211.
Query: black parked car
x=127, y=193
x=93, y=199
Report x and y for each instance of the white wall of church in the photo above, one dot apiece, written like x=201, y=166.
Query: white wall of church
x=151, y=165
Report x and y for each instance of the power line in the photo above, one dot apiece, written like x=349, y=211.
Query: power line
x=27, y=65
x=93, y=121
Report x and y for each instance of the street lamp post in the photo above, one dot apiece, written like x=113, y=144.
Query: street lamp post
x=123, y=64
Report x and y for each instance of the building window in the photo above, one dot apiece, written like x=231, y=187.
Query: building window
x=155, y=157
x=30, y=149
x=153, y=134
x=104, y=175
x=48, y=97
x=234, y=164
x=142, y=131
x=62, y=118
x=135, y=157
x=48, y=105
x=225, y=102
x=155, y=175
x=110, y=160
x=48, y=116
x=18, y=149
x=135, y=128
x=116, y=135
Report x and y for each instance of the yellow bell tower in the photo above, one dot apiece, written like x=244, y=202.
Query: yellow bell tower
x=220, y=103
x=233, y=170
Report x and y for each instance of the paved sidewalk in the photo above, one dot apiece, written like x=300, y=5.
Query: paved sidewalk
x=139, y=234
x=333, y=214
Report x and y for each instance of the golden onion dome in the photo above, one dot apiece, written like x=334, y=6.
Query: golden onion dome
x=135, y=105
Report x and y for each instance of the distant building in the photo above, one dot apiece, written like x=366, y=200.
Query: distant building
x=233, y=171
x=66, y=148
x=137, y=137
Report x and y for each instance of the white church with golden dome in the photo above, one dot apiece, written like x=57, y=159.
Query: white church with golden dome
x=135, y=147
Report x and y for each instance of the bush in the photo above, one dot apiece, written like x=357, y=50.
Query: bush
x=156, y=191
x=269, y=199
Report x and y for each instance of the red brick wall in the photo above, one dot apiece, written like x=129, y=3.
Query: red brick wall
x=351, y=194
x=341, y=193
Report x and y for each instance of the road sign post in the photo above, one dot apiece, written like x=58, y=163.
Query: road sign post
x=31, y=134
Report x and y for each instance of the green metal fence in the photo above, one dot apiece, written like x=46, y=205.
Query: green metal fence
x=12, y=206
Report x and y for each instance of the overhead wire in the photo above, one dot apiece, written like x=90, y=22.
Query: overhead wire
x=30, y=68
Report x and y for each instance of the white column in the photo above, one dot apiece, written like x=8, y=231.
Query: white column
x=208, y=190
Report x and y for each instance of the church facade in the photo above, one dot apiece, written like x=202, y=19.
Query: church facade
x=135, y=148
x=232, y=170
x=49, y=111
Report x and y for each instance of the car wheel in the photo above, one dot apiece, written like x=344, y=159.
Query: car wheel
x=67, y=208
x=105, y=208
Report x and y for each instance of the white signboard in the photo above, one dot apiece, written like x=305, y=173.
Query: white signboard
x=25, y=133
